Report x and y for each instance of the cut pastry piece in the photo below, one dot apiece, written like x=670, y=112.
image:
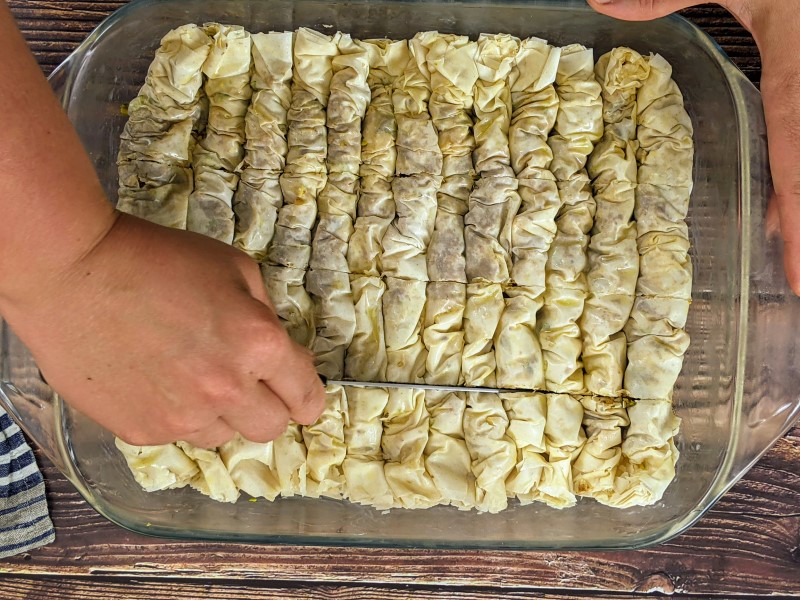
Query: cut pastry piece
x=405, y=435
x=403, y=310
x=334, y=319
x=213, y=479
x=447, y=458
x=325, y=446
x=366, y=356
x=291, y=301
x=158, y=467
x=363, y=467
x=527, y=415
x=485, y=305
x=417, y=146
x=649, y=455
x=443, y=333
x=516, y=343
x=251, y=466
x=290, y=461
x=564, y=439
x=493, y=452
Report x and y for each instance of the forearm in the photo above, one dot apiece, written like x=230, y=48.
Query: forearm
x=52, y=207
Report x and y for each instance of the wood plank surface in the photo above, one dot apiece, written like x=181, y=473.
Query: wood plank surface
x=748, y=544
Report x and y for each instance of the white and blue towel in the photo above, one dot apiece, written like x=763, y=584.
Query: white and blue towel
x=24, y=521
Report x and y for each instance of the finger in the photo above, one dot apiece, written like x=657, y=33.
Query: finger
x=288, y=370
x=640, y=10
x=780, y=88
x=261, y=417
x=212, y=436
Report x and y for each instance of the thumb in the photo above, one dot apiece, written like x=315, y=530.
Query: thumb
x=640, y=10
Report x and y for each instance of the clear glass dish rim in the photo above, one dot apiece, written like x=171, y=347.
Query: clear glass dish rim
x=722, y=481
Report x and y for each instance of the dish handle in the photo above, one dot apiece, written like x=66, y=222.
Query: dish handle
x=768, y=365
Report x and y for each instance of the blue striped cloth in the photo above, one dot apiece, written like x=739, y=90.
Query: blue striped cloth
x=24, y=521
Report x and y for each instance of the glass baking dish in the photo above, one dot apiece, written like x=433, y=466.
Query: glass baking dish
x=740, y=386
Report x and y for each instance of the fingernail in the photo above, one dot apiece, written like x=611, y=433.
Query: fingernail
x=603, y=1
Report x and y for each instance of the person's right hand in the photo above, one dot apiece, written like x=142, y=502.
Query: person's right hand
x=162, y=335
x=775, y=25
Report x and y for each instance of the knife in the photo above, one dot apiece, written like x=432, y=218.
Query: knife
x=451, y=388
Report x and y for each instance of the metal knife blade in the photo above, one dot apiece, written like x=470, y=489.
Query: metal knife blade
x=425, y=386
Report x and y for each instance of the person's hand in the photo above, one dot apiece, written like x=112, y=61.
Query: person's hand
x=163, y=335
x=775, y=25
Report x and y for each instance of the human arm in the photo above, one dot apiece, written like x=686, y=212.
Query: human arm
x=156, y=334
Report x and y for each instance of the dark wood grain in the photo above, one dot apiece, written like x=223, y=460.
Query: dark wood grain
x=16, y=588
x=748, y=544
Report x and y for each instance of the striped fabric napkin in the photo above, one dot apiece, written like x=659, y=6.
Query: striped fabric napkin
x=24, y=521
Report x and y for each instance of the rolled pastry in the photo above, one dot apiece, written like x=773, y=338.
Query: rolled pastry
x=405, y=436
x=613, y=258
x=157, y=468
x=220, y=152
x=258, y=197
x=527, y=415
x=363, y=466
x=212, y=479
x=251, y=466
x=403, y=311
x=325, y=447
x=417, y=146
x=492, y=450
x=291, y=301
x=655, y=331
x=443, y=333
x=649, y=455
x=578, y=126
x=366, y=355
x=447, y=458
x=376, y=209
x=159, y=137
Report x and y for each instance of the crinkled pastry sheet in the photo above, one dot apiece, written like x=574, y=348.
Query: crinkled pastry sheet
x=441, y=210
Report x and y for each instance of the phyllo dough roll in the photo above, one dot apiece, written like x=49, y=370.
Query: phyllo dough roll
x=492, y=450
x=221, y=150
x=375, y=209
x=406, y=240
x=527, y=416
x=325, y=446
x=156, y=146
x=329, y=279
x=366, y=355
x=447, y=458
x=564, y=438
x=258, y=197
x=453, y=73
x=656, y=336
x=494, y=201
x=155, y=468
x=292, y=303
x=305, y=173
x=363, y=467
x=403, y=313
x=405, y=435
x=482, y=314
x=579, y=124
x=535, y=106
x=613, y=257
x=212, y=479
x=649, y=454
x=595, y=470
x=443, y=333
x=417, y=146
x=252, y=467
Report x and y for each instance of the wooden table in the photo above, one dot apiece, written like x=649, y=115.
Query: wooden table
x=748, y=544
